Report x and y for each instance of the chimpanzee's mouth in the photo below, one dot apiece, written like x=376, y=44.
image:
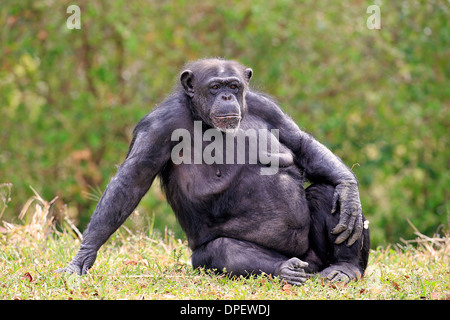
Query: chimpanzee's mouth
x=225, y=122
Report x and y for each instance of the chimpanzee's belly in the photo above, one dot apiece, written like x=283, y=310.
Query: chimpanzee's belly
x=237, y=201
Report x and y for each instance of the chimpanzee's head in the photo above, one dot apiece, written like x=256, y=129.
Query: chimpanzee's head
x=217, y=90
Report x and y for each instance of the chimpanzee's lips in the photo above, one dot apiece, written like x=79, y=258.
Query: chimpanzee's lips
x=228, y=116
x=226, y=121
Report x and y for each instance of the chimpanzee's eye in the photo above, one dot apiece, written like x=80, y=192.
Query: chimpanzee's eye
x=233, y=86
x=215, y=87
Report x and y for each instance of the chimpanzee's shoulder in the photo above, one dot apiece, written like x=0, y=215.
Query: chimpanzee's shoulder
x=171, y=114
x=263, y=105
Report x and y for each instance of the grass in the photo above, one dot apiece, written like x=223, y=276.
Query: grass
x=147, y=266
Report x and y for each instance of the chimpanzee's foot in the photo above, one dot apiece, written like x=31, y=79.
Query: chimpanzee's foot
x=343, y=271
x=293, y=271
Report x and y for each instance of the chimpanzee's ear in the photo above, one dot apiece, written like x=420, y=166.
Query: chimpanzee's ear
x=248, y=73
x=186, y=79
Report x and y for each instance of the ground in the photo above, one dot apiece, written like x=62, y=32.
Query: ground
x=149, y=265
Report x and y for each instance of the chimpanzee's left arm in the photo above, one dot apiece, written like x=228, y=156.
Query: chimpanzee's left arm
x=319, y=165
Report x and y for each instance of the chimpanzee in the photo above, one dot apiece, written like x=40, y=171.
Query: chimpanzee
x=238, y=218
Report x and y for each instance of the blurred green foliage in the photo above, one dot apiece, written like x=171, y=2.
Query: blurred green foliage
x=379, y=99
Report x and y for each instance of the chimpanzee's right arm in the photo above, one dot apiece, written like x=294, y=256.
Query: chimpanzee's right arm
x=149, y=151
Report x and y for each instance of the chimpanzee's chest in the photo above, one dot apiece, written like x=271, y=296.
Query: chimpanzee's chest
x=208, y=162
x=199, y=181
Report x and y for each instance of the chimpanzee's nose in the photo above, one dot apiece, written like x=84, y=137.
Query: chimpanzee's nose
x=226, y=97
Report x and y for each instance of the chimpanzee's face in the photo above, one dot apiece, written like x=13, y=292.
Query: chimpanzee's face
x=217, y=89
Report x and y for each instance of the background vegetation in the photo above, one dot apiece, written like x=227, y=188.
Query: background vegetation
x=69, y=99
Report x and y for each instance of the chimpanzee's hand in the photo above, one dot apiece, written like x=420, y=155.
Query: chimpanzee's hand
x=82, y=261
x=350, y=221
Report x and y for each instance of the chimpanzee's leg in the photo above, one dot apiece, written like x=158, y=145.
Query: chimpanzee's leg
x=243, y=258
x=333, y=261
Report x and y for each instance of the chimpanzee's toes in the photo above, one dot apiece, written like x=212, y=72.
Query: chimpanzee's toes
x=293, y=271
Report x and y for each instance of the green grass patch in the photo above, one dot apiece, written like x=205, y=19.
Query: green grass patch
x=146, y=266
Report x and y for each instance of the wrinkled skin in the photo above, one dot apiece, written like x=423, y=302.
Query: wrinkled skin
x=237, y=220
x=350, y=223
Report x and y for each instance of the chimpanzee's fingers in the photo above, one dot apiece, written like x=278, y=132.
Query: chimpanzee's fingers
x=62, y=270
x=346, y=233
x=299, y=264
x=71, y=268
x=358, y=229
x=342, y=225
x=88, y=263
x=334, y=201
x=298, y=281
x=339, y=228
